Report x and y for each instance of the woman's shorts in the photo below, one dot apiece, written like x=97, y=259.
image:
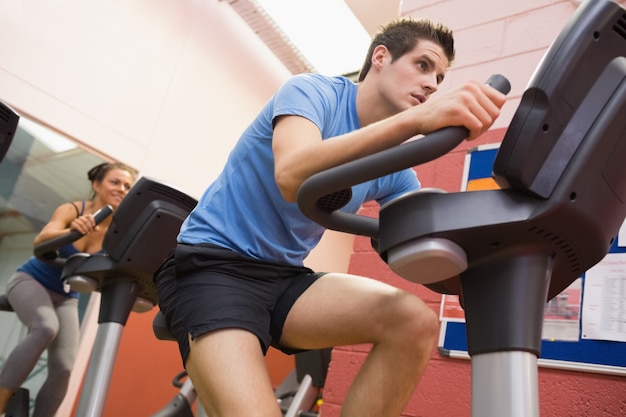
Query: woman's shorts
x=203, y=288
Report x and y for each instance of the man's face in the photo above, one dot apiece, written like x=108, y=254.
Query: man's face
x=413, y=77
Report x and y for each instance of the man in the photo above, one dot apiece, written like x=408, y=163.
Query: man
x=236, y=284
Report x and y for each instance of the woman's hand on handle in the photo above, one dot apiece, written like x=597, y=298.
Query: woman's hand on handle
x=64, y=221
x=84, y=224
x=47, y=249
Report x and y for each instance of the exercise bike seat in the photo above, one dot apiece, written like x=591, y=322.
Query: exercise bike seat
x=4, y=303
x=159, y=327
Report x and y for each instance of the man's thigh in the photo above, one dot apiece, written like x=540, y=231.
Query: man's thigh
x=229, y=373
x=343, y=309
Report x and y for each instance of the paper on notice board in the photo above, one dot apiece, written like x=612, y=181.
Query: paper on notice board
x=604, y=303
x=561, y=318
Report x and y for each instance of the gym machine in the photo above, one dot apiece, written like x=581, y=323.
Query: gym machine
x=506, y=252
x=141, y=234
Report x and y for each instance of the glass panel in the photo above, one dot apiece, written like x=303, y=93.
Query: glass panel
x=40, y=171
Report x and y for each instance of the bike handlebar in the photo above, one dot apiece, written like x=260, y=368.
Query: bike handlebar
x=323, y=194
x=48, y=251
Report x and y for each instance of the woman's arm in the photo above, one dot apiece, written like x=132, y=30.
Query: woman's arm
x=63, y=221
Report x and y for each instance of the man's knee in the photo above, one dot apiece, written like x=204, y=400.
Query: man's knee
x=415, y=318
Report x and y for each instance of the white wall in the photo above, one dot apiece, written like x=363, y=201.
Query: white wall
x=163, y=85
x=506, y=36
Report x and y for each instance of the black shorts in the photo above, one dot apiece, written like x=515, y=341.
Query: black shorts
x=203, y=288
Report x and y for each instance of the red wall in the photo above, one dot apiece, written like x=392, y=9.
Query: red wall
x=445, y=389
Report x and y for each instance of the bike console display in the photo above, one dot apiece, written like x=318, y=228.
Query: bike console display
x=141, y=234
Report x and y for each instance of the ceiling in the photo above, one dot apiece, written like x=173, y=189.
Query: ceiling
x=371, y=14
x=374, y=13
x=269, y=32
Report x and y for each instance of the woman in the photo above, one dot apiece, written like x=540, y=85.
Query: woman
x=37, y=295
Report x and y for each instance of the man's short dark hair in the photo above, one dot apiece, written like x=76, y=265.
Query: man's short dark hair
x=400, y=36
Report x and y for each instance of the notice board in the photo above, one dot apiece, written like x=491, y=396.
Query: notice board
x=578, y=334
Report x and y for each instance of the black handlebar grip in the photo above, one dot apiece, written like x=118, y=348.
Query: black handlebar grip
x=48, y=251
x=102, y=214
x=500, y=83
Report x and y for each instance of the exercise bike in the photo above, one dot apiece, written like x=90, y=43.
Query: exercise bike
x=508, y=251
x=141, y=234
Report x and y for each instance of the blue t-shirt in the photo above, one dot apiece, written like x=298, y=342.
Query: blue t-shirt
x=243, y=209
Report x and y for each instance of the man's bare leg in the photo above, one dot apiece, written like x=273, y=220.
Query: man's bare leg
x=342, y=309
x=228, y=371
